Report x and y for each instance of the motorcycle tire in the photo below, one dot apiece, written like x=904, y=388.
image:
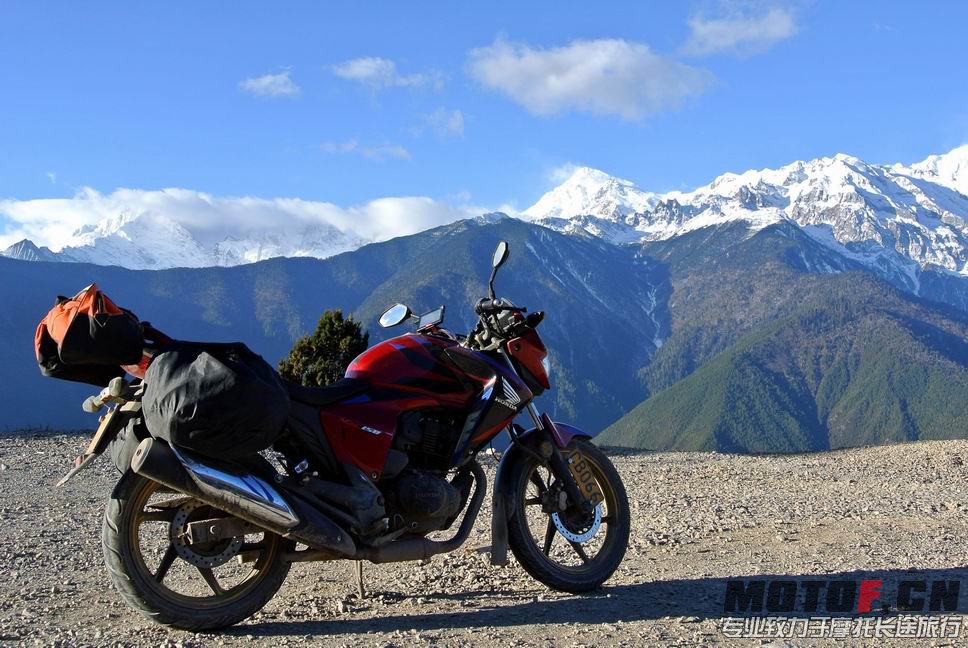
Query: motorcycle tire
x=552, y=567
x=148, y=594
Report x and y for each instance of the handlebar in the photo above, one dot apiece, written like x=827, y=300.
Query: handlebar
x=499, y=320
x=493, y=306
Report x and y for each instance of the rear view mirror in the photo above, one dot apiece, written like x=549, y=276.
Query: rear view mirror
x=394, y=315
x=500, y=255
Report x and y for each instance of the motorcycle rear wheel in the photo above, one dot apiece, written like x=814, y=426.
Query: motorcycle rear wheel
x=576, y=565
x=178, y=592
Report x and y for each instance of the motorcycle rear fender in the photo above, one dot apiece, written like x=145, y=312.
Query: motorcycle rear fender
x=562, y=435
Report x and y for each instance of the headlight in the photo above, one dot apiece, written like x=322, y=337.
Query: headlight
x=546, y=365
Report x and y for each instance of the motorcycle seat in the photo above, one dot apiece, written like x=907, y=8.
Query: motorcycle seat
x=322, y=396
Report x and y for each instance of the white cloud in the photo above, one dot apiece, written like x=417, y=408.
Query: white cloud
x=739, y=32
x=52, y=176
x=210, y=219
x=271, y=85
x=607, y=76
x=379, y=153
x=443, y=122
x=377, y=73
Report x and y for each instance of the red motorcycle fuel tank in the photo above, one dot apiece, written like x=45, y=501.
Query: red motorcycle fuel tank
x=413, y=372
x=405, y=373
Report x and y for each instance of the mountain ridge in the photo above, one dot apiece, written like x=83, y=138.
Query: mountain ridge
x=148, y=240
x=627, y=326
x=895, y=219
x=695, y=330
x=269, y=304
x=910, y=218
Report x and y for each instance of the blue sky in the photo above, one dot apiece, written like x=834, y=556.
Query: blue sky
x=471, y=103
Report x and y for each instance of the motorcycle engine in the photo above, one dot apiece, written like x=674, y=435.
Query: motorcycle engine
x=423, y=501
x=421, y=498
x=429, y=437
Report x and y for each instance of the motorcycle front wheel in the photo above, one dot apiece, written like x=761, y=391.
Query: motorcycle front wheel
x=158, y=570
x=568, y=550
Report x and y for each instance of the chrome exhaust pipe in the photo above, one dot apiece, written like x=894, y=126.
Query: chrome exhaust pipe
x=245, y=496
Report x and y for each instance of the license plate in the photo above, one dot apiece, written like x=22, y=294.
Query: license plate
x=581, y=470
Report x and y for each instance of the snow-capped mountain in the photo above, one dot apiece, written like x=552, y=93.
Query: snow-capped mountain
x=896, y=219
x=949, y=169
x=319, y=241
x=899, y=220
x=145, y=240
x=26, y=250
x=148, y=240
x=592, y=192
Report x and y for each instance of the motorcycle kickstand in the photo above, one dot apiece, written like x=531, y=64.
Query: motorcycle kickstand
x=359, y=580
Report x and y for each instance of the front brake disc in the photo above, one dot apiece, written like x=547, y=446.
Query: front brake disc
x=583, y=534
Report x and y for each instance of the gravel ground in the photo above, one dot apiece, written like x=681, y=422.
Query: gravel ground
x=888, y=513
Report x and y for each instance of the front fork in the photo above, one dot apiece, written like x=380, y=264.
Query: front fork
x=546, y=443
x=551, y=450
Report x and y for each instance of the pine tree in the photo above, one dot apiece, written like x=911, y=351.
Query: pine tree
x=322, y=357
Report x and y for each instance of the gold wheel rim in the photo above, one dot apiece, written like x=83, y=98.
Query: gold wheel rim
x=219, y=595
x=579, y=551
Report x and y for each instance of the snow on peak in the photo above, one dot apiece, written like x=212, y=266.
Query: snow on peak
x=139, y=240
x=588, y=175
x=492, y=217
x=913, y=215
x=150, y=240
x=590, y=192
x=26, y=250
x=948, y=169
x=917, y=215
x=153, y=229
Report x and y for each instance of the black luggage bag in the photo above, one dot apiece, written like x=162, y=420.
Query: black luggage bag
x=220, y=400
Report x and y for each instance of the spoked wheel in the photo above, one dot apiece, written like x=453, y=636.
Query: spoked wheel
x=185, y=564
x=568, y=550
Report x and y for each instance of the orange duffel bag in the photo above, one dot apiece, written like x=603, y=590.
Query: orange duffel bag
x=86, y=338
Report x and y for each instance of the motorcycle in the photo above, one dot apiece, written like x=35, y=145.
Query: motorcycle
x=365, y=470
